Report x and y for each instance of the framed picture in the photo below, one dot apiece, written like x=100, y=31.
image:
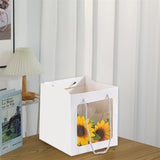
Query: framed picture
x=7, y=31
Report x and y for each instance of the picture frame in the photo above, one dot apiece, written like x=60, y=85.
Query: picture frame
x=10, y=42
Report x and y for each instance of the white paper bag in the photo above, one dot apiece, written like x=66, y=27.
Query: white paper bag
x=64, y=107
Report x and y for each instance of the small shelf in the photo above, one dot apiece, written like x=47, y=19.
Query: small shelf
x=30, y=102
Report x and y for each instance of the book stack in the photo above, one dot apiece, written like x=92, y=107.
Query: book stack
x=10, y=120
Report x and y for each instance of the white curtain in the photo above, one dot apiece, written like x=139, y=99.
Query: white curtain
x=73, y=43
x=137, y=69
x=113, y=42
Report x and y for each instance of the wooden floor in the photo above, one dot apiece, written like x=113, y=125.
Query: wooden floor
x=34, y=149
x=6, y=34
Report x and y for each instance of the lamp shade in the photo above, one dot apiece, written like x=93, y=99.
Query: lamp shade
x=22, y=63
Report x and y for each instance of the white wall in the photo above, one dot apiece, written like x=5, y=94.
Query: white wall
x=27, y=21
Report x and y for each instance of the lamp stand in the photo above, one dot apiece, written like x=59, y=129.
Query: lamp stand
x=26, y=95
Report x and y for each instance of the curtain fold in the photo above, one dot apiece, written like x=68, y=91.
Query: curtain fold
x=137, y=70
x=48, y=39
x=148, y=74
x=67, y=39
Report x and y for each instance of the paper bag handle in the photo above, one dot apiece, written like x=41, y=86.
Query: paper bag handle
x=93, y=150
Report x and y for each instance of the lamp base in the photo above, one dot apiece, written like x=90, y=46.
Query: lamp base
x=28, y=96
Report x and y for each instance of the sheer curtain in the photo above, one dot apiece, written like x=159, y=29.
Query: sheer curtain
x=73, y=43
x=112, y=42
x=148, y=94
x=137, y=69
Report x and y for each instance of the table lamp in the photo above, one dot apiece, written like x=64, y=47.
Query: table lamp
x=24, y=63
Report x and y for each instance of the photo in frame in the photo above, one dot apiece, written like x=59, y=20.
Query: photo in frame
x=7, y=31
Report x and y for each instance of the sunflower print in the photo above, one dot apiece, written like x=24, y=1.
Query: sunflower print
x=82, y=134
x=102, y=129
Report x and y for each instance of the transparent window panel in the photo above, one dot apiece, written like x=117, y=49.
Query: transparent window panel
x=98, y=122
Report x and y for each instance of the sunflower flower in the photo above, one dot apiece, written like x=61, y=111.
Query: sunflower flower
x=102, y=130
x=82, y=134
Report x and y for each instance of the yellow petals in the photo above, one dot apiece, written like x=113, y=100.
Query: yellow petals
x=103, y=130
x=82, y=134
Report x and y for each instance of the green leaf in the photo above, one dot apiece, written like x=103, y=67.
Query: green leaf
x=77, y=115
x=96, y=137
x=107, y=119
x=93, y=123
